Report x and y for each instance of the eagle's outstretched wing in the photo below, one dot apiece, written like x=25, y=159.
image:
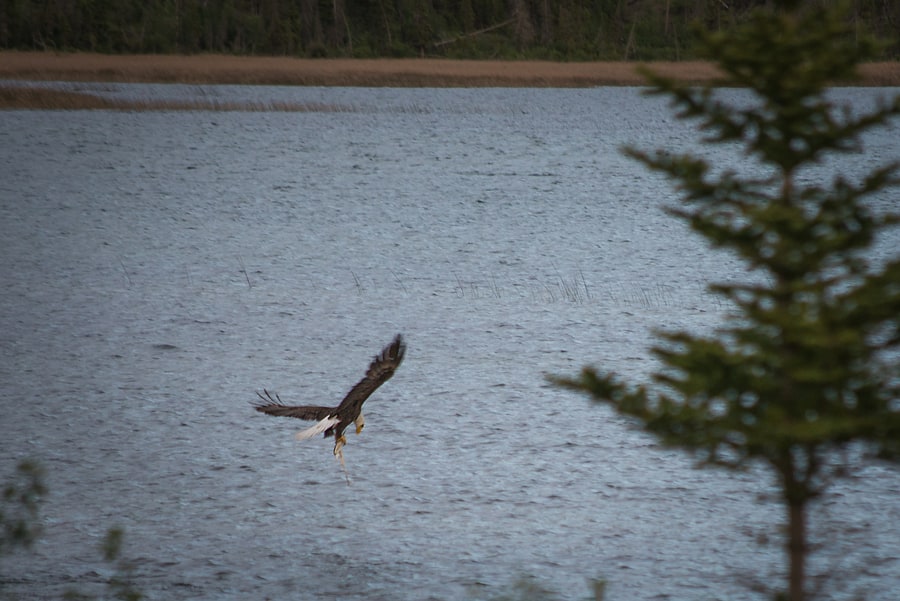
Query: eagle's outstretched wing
x=273, y=406
x=380, y=371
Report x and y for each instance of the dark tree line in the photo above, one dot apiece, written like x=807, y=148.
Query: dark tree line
x=548, y=29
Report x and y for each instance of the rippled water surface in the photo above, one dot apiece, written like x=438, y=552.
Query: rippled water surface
x=158, y=268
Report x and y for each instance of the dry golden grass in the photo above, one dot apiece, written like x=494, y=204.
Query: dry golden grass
x=212, y=69
x=218, y=69
x=880, y=74
x=35, y=97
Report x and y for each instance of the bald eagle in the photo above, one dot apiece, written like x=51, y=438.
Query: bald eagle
x=334, y=420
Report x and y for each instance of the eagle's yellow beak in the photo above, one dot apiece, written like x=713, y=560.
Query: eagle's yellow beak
x=360, y=423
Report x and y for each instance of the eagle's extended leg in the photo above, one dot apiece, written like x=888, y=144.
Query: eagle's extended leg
x=339, y=453
x=338, y=448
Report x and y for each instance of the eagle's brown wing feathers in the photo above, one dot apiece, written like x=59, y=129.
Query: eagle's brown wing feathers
x=273, y=406
x=380, y=371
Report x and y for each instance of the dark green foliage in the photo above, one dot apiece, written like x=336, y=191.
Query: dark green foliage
x=19, y=521
x=19, y=509
x=564, y=29
x=810, y=362
x=120, y=585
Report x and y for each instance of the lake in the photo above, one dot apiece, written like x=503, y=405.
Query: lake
x=160, y=267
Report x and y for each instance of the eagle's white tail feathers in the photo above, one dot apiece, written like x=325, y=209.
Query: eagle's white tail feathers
x=320, y=427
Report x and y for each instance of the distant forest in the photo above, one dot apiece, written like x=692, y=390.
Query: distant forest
x=481, y=29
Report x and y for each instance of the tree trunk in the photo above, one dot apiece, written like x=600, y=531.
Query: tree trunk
x=796, y=547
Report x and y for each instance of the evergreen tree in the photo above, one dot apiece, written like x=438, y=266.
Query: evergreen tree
x=809, y=365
